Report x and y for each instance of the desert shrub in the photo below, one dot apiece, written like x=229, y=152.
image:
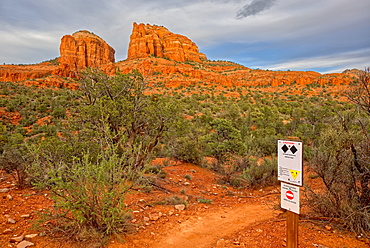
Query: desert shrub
x=102, y=151
x=187, y=150
x=184, y=142
x=58, y=112
x=13, y=159
x=88, y=192
x=340, y=157
x=261, y=175
x=204, y=201
x=225, y=140
x=244, y=163
x=156, y=170
x=13, y=156
x=173, y=200
x=118, y=105
x=3, y=136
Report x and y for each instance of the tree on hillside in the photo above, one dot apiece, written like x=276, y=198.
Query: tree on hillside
x=136, y=121
x=224, y=141
x=341, y=158
x=360, y=94
x=107, y=141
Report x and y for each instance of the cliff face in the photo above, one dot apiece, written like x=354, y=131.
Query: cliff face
x=82, y=49
x=158, y=41
x=223, y=73
x=14, y=73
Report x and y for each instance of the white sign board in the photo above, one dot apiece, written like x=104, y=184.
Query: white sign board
x=290, y=161
x=290, y=197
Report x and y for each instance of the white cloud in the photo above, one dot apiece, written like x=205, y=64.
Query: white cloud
x=290, y=30
x=358, y=59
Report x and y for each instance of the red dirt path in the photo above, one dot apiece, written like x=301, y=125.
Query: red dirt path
x=235, y=218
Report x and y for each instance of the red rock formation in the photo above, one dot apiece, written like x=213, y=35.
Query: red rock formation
x=147, y=40
x=174, y=74
x=82, y=49
x=14, y=73
x=86, y=49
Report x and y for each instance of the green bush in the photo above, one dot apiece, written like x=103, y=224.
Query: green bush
x=187, y=150
x=13, y=159
x=103, y=150
x=118, y=106
x=88, y=191
x=225, y=140
x=13, y=155
x=173, y=200
x=340, y=157
x=204, y=201
x=261, y=175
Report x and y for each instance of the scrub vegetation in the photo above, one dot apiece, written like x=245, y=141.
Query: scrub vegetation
x=91, y=146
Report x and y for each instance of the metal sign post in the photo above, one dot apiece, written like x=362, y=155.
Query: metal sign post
x=290, y=173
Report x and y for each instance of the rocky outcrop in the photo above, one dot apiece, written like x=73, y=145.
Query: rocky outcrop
x=223, y=73
x=151, y=40
x=14, y=73
x=159, y=55
x=82, y=49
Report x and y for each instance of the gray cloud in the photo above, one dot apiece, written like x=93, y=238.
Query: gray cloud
x=285, y=36
x=255, y=7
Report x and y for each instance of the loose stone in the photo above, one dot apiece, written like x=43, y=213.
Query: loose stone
x=180, y=207
x=4, y=190
x=25, y=244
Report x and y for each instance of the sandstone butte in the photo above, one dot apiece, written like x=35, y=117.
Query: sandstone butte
x=161, y=56
x=152, y=40
x=80, y=50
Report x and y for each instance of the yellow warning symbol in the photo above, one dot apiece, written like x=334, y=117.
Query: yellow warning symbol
x=294, y=174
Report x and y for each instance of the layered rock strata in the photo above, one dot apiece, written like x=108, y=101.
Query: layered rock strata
x=151, y=40
x=80, y=50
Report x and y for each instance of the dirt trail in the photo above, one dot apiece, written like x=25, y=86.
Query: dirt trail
x=204, y=230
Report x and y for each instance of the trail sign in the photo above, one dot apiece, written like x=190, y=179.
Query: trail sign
x=290, y=197
x=290, y=162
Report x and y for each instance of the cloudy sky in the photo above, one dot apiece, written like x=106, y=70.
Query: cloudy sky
x=319, y=35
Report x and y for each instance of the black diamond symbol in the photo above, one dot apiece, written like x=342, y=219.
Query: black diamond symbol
x=293, y=149
x=284, y=148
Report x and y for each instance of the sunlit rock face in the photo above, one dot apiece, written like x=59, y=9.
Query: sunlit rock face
x=151, y=40
x=80, y=50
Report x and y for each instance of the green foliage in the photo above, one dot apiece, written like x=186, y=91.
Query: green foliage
x=115, y=113
x=341, y=159
x=88, y=191
x=135, y=121
x=187, y=150
x=102, y=152
x=59, y=112
x=54, y=61
x=261, y=175
x=224, y=141
x=3, y=139
x=156, y=170
x=204, y=201
x=13, y=157
x=173, y=200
